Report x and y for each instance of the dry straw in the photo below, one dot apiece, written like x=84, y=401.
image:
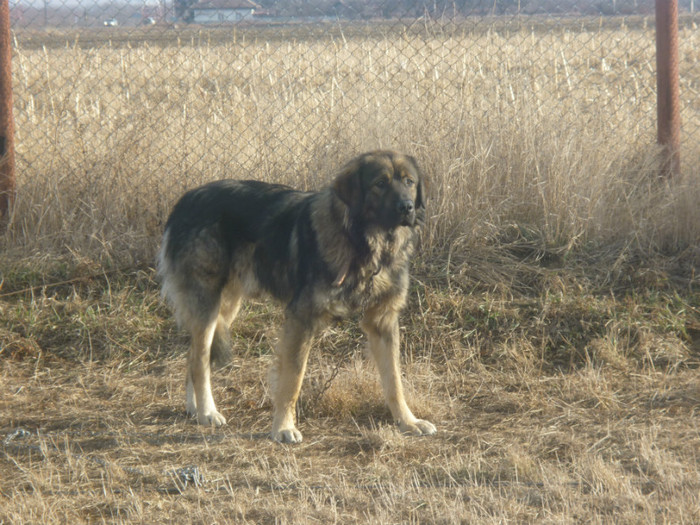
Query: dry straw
x=557, y=400
x=548, y=132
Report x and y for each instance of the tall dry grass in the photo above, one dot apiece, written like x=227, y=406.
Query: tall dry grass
x=565, y=404
x=546, y=139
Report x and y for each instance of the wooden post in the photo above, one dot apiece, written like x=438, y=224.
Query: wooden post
x=7, y=124
x=667, y=85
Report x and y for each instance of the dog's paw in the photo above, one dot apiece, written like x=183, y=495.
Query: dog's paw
x=212, y=418
x=287, y=435
x=418, y=427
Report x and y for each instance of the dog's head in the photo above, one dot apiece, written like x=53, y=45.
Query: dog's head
x=382, y=188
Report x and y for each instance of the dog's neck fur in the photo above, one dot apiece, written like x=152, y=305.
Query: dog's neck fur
x=352, y=247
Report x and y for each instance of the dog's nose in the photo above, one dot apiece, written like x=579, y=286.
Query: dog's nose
x=405, y=207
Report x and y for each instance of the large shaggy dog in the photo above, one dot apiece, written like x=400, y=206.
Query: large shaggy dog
x=324, y=255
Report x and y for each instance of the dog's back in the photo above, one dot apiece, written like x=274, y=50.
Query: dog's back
x=235, y=211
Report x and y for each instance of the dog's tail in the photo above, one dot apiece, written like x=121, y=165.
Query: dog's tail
x=171, y=291
x=166, y=275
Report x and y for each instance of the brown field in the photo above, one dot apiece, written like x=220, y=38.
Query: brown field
x=553, y=327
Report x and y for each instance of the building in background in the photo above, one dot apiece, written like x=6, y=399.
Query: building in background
x=216, y=11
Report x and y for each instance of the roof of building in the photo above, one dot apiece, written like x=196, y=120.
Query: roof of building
x=225, y=4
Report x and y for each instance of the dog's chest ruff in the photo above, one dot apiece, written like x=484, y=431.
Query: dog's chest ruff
x=384, y=273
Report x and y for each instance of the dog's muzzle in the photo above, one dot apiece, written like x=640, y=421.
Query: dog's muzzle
x=407, y=212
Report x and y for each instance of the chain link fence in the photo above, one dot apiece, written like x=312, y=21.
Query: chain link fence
x=160, y=95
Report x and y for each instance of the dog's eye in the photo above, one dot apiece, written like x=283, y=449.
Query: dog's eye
x=381, y=183
x=409, y=182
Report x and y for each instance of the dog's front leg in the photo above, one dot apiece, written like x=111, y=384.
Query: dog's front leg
x=382, y=329
x=286, y=376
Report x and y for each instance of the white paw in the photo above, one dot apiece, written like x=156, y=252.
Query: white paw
x=418, y=427
x=287, y=435
x=212, y=418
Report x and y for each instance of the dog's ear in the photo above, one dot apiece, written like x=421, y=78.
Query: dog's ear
x=348, y=184
x=421, y=195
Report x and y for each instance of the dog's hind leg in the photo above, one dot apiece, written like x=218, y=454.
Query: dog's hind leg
x=286, y=376
x=200, y=400
x=382, y=328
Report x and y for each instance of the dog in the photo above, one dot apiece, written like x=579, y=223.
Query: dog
x=324, y=255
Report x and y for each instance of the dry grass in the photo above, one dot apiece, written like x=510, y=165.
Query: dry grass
x=552, y=130
x=563, y=407
x=553, y=332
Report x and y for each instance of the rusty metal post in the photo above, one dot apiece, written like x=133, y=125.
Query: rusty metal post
x=667, y=85
x=7, y=124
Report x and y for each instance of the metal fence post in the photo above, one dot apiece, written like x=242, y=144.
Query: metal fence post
x=7, y=131
x=667, y=84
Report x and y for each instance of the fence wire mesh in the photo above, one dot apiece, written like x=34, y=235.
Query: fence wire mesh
x=168, y=93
